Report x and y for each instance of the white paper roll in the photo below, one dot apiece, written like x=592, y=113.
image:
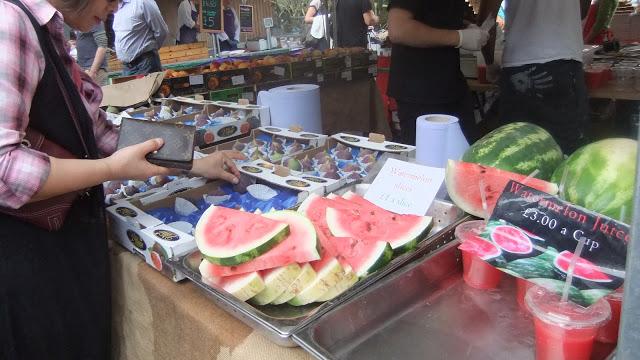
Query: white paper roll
x=294, y=105
x=439, y=138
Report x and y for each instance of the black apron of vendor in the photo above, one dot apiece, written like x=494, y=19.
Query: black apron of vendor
x=55, y=286
x=189, y=35
x=428, y=75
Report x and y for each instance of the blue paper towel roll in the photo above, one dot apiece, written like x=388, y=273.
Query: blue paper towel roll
x=439, y=138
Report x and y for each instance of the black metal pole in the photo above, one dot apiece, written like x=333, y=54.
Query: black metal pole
x=629, y=338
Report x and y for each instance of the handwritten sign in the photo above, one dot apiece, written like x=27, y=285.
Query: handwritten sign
x=211, y=16
x=405, y=188
x=246, y=18
x=538, y=233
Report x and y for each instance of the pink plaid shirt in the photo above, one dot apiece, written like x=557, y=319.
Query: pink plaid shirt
x=23, y=171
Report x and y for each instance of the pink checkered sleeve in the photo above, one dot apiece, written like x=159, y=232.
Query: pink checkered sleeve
x=106, y=134
x=22, y=171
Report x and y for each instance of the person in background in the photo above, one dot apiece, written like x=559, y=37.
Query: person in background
x=55, y=285
x=542, y=80
x=108, y=28
x=230, y=37
x=187, y=22
x=92, y=50
x=140, y=31
x=316, y=15
x=353, y=17
x=425, y=76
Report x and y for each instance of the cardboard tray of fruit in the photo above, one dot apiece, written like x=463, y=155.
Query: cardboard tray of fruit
x=280, y=322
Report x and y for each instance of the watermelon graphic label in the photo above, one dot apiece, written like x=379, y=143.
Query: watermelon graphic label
x=538, y=234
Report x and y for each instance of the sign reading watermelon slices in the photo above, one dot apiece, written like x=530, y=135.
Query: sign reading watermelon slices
x=537, y=235
x=405, y=188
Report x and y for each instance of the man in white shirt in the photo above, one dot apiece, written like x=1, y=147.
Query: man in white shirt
x=187, y=23
x=140, y=31
x=542, y=80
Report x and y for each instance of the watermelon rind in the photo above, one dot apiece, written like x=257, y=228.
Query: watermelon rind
x=349, y=279
x=412, y=235
x=256, y=248
x=306, y=276
x=378, y=258
x=327, y=277
x=599, y=177
x=276, y=282
x=518, y=147
x=243, y=287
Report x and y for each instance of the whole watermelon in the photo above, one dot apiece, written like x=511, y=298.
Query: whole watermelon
x=517, y=147
x=601, y=177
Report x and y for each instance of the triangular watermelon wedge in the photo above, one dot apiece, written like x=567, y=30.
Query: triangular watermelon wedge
x=231, y=237
x=467, y=181
x=300, y=246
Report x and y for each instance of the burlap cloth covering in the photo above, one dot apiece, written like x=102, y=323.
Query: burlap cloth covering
x=155, y=319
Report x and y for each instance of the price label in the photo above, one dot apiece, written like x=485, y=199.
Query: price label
x=346, y=75
x=320, y=77
x=279, y=70
x=347, y=61
x=196, y=79
x=211, y=16
x=237, y=80
x=318, y=63
x=248, y=95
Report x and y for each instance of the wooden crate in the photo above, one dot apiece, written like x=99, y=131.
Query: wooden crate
x=168, y=49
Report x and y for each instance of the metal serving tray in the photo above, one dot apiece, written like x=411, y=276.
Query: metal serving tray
x=280, y=322
x=426, y=311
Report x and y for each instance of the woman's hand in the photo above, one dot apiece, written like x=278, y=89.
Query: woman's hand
x=219, y=165
x=130, y=162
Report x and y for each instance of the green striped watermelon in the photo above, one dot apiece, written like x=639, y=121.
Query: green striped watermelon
x=601, y=177
x=518, y=147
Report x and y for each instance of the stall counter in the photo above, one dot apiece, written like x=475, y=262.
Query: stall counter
x=155, y=318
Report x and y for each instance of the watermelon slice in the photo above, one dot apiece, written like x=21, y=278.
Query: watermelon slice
x=327, y=276
x=480, y=247
x=306, y=277
x=403, y=232
x=231, y=237
x=348, y=280
x=584, y=268
x=276, y=281
x=511, y=239
x=466, y=181
x=364, y=257
x=300, y=246
x=243, y=286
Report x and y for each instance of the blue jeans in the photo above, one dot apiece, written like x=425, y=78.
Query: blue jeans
x=552, y=95
x=145, y=63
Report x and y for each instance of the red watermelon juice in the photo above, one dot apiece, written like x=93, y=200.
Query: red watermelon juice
x=564, y=330
x=522, y=285
x=477, y=273
x=608, y=333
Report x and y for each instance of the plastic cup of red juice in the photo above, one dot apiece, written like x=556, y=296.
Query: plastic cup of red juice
x=477, y=273
x=608, y=333
x=522, y=285
x=564, y=330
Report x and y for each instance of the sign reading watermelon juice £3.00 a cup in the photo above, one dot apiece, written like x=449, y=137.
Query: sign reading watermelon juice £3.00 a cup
x=537, y=235
x=405, y=188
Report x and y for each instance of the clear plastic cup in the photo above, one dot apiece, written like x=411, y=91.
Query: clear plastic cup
x=564, y=330
x=522, y=285
x=477, y=273
x=608, y=333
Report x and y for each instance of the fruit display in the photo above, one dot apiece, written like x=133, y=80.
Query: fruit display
x=122, y=189
x=476, y=188
x=522, y=148
x=320, y=257
x=600, y=177
x=337, y=162
x=269, y=147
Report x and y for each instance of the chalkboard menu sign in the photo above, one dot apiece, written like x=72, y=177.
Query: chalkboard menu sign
x=211, y=16
x=246, y=18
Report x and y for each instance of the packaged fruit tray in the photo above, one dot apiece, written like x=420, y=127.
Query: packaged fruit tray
x=427, y=308
x=281, y=322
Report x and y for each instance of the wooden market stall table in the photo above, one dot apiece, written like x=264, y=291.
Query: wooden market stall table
x=155, y=318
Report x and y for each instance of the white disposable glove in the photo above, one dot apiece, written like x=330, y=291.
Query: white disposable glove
x=472, y=38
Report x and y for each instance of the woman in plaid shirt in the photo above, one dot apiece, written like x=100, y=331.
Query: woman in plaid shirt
x=54, y=285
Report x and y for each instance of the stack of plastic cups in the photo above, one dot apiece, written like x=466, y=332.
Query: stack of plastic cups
x=477, y=273
x=522, y=285
x=608, y=333
x=564, y=330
